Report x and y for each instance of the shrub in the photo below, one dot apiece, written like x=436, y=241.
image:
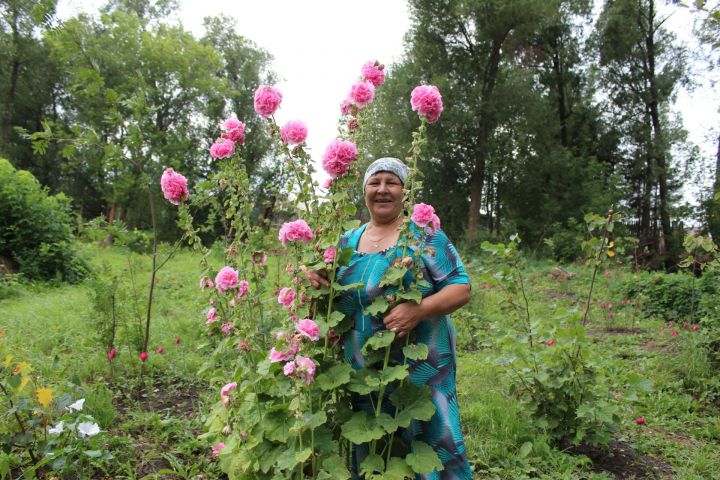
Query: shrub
x=36, y=228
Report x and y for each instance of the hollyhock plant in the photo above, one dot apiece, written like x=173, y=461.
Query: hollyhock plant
x=297, y=231
x=225, y=393
x=205, y=282
x=267, y=100
x=338, y=156
x=309, y=329
x=305, y=368
x=227, y=328
x=222, y=148
x=258, y=258
x=286, y=297
x=174, y=186
x=427, y=101
x=361, y=93
x=289, y=368
x=226, y=279
x=422, y=214
x=217, y=448
x=345, y=107
x=243, y=287
x=374, y=73
x=283, y=355
x=294, y=132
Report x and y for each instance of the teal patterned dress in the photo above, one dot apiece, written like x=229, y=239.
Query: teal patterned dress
x=441, y=266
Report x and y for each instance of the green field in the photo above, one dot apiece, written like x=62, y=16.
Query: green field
x=152, y=422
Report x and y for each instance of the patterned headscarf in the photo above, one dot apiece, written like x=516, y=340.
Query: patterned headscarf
x=386, y=164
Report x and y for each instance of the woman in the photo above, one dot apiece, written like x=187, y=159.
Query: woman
x=374, y=252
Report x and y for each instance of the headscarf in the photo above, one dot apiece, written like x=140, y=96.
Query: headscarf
x=387, y=164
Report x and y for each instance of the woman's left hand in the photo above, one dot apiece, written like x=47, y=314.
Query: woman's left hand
x=403, y=318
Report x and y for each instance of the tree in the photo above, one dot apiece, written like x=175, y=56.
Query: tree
x=641, y=67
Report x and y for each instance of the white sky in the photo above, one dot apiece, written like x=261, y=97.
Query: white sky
x=319, y=47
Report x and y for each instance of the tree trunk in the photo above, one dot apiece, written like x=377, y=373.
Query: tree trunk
x=561, y=101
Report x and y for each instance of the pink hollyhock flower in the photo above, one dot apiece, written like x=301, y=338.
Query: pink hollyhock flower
x=338, y=156
x=374, y=73
x=289, y=368
x=243, y=346
x=332, y=336
x=234, y=130
x=286, y=297
x=226, y=279
x=143, y=356
x=640, y=421
x=283, y=355
x=685, y=325
x=329, y=254
x=674, y=333
x=353, y=124
x=222, y=148
x=294, y=132
x=550, y=342
x=243, y=287
x=297, y=231
x=305, y=368
x=326, y=183
x=225, y=393
x=670, y=324
x=160, y=350
x=205, y=282
x=177, y=340
x=309, y=328
x=226, y=328
x=174, y=186
x=435, y=223
x=258, y=258
x=422, y=214
x=267, y=100
x=694, y=327
x=212, y=316
x=362, y=93
x=427, y=101
x=345, y=107
x=111, y=354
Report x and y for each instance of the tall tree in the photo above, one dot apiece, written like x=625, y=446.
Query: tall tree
x=641, y=67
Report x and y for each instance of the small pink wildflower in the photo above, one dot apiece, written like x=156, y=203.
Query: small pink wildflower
x=427, y=101
x=267, y=100
x=226, y=279
x=212, y=316
x=112, y=354
x=345, y=107
x=662, y=328
x=640, y=421
x=174, y=186
x=258, y=258
x=327, y=182
x=177, y=340
x=309, y=328
x=606, y=273
x=160, y=350
x=216, y=449
x=226, y=328
x=362, y=93
x=143, y=356
x=294, y=132
x=338, y=156
x=297, y=231
x=422, y=214
x=674, y=333
x=694, y=327
x=243, y=346
x=222, y=148
x=205, y=282
x=305, y=368
x=374, y=73
x=225, y=393
x=332, y=336
x=353, y=124
x=685, y=325
x=329, y=254
x=550, y=342
x=243, y=287
x=286, y=297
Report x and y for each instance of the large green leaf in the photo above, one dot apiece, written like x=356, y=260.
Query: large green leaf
x=333, y=468
x=361, y=428
x=364, y=381
x=416, y=351
x=423, y=458
x=393, y=276
x=378, y=306
x=291, y=457
x=379, y=341
x=396, y=372
x=372, y=464
x=276, y=426
x=398, y=469
x=337, y=375
x=414, y=403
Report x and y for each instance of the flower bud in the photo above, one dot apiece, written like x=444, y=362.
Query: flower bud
x=407, y=262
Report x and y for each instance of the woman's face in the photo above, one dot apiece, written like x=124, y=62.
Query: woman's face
x=384, y=196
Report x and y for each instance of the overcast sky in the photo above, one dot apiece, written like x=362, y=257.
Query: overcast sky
x=319, y=46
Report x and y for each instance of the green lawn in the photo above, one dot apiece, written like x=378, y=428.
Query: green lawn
x=154, y=425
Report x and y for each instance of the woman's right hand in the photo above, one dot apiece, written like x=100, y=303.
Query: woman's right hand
x=317, y=278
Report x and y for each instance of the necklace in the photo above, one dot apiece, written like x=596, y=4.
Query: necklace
x=376, y=241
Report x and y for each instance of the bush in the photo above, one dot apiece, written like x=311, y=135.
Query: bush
x=36, y=228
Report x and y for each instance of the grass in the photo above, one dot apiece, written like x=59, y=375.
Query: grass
x=155, y=425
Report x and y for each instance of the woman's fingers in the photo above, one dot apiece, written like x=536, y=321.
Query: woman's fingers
x=317, y=278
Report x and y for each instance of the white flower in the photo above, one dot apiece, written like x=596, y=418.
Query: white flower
x=88, y=429
x=77, y=405
x=57, y=428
